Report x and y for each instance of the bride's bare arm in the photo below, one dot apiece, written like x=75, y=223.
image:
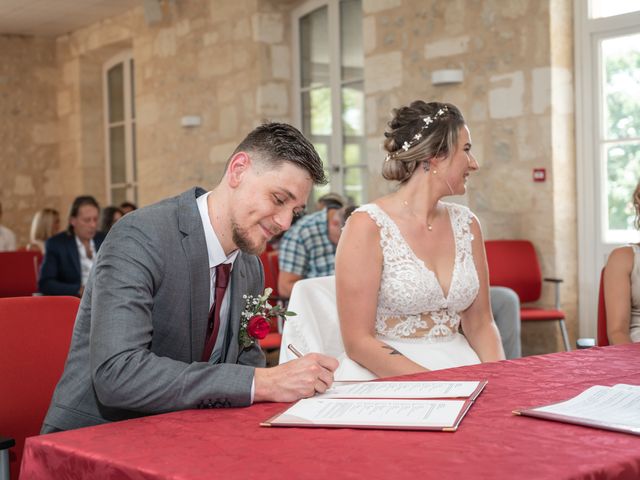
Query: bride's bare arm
x=358, y=273
x=477, y=321
x=617, y=294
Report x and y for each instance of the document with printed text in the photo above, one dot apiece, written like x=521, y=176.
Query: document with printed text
x=384, y=405
x=437, y=389
x=614, y=408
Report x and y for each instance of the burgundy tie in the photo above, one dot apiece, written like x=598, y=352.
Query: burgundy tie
x=213, y=326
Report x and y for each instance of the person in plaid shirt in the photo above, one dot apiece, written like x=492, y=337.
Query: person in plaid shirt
x=308, y=249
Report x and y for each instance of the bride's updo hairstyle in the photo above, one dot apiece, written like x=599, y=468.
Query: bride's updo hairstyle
x=417, y=133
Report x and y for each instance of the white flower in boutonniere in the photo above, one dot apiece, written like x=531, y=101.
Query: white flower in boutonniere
x=257, y=316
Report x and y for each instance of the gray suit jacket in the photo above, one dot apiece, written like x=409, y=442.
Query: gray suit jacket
x=141, y=326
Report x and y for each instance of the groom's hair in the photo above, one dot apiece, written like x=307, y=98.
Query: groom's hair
x=275, y=143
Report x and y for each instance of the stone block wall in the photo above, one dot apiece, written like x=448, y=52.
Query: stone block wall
x=226, y=62
x=29, y=164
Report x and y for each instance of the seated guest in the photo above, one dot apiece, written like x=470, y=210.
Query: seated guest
x=7, y=237
x=127, y=207
x=308, y=249
x=108, y=217
x=330, y=200
x=69, y=255
x=161, y=326
x=622, y=288
x=505, y=306
x=44, y=225
x=411, y=268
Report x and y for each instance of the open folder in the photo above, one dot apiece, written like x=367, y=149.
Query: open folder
x=384, y=405
x=614, y=408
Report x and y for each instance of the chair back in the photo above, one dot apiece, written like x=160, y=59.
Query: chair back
x=315, y=328
x=34, y=343
x=20, y=271
x=269, y=261
x=603, y=338
x=514, y=264
x=272, y=258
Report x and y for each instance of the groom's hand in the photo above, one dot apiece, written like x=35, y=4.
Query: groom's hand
x=296, y=379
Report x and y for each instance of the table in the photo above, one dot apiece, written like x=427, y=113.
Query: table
x=490, y=443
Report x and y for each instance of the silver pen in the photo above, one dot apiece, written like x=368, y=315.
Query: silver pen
x=294, y=350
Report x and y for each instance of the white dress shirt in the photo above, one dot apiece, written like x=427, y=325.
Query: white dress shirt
x=7, y=240
x=85, y=262
x=216, y=257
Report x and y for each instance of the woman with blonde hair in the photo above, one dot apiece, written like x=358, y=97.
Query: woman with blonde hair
x=622, y=288
x=410, y=268
x=45, y=224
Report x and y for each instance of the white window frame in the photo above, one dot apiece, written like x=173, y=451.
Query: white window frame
x=131, y=182
x=588, y=32
x=335, y=167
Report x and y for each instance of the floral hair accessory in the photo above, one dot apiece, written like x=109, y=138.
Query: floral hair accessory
x=428, y=120
x=256, y=317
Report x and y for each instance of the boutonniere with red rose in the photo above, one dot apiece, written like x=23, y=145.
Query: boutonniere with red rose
x=258, y=312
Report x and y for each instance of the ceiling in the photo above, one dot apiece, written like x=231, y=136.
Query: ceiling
x=50, y=18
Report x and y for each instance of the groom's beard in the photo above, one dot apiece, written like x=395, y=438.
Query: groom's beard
x=243, y=241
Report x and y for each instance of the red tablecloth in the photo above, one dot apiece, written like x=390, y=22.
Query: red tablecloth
x=490, y=443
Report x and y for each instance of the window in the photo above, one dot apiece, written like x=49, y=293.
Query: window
x=330, y=91
x=610, y=8
x=619, y=147
x=120, y=118
x=607, y=40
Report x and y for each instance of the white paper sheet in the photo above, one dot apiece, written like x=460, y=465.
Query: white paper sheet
x=403, y=413
x=436, y=389
x=618, y=406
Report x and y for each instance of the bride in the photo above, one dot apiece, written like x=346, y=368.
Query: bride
x=410, y=268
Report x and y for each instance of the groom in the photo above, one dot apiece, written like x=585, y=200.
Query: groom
x=157, y=330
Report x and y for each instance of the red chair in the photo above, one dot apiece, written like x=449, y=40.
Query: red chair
x=603, y=338
x=35, y=338
x=20, y=271
x=269, y=261
x=270, y=277
x=273, y=339
x=514, y=264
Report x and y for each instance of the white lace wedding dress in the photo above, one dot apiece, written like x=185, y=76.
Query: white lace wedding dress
x=414, y=316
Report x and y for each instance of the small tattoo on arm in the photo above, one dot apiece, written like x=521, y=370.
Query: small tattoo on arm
x=393, y=350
